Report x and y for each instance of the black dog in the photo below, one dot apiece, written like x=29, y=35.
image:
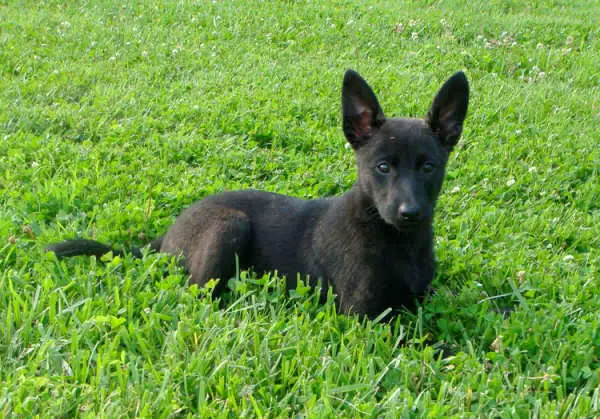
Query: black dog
x=373, y=245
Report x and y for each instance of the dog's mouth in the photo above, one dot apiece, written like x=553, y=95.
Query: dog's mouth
x=406, y=226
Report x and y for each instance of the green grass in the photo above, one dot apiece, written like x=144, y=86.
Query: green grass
x=116, y=116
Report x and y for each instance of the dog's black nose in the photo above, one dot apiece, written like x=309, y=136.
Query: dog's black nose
x=410, y=212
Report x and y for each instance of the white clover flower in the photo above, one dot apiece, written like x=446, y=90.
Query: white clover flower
x=399, y=27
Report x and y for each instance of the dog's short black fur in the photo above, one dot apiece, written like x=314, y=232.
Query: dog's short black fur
x=373, y=244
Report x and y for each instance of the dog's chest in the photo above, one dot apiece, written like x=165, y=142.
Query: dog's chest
x=371, y=273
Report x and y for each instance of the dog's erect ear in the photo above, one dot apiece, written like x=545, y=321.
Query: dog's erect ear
x=360, y=110
x=449, y=109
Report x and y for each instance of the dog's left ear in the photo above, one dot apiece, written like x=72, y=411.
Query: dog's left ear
x=449, y=109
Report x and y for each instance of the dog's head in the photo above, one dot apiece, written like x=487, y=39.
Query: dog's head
x=401, y=161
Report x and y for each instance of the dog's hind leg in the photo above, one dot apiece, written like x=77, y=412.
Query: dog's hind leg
x=213, y=244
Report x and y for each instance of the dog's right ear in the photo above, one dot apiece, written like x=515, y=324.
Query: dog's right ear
x=360, y=110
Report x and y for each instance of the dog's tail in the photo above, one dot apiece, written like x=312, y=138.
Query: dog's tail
x=78, y=247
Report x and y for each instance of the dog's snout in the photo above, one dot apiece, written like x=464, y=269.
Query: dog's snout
x=410, y=212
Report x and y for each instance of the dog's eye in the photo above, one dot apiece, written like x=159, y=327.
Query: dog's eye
x=428, y=167
x=383, y=167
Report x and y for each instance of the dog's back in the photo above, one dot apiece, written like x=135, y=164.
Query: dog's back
x=277, y=230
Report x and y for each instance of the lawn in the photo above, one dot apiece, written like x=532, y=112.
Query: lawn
x=115, y=116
